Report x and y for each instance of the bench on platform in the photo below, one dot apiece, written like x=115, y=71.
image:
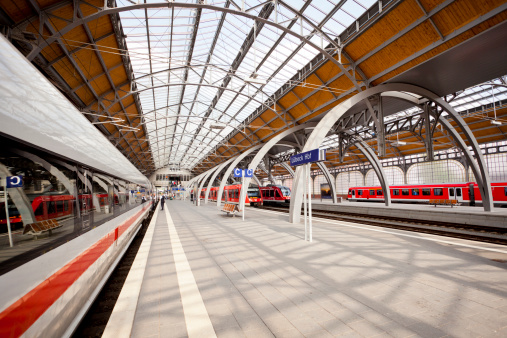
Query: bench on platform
x=38, y=228
x=443, y=202
x=230, y=208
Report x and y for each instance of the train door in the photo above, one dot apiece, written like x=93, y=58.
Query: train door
x=84, y=198
x=459, y=195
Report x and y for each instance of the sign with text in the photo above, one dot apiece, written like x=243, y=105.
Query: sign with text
x=238, y=172
x=243, y=173
x=315, y=155
x=14, y=181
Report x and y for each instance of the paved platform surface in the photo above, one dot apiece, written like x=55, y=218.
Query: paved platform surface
x=259, y=278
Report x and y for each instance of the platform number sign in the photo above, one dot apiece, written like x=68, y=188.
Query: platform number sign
x=243, y=173
x=14, y=181
x=238, y=172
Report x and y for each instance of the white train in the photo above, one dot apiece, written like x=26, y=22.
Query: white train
x=77, y=201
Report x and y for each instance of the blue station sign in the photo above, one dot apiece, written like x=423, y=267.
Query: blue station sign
x=315, y=155
x=243, y=173
x=238, y=172
x=14, y=181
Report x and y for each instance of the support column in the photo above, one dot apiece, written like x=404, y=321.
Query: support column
x=208, y=173
x=229, y=170
x=428, y=133
x=330, y=179
x=378, y=117
x=288, y=168
x=377, y=166
x=212, y=179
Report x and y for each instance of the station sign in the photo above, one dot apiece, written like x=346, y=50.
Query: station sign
x=14, y=181
x=243, y=173
x=315, y=155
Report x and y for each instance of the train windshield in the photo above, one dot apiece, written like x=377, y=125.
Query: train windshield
x=253, y=193
x=285, y=191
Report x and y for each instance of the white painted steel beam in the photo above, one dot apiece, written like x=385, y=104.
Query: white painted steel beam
x=328, y=121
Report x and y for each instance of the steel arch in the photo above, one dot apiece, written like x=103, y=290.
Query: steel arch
x=400, y=90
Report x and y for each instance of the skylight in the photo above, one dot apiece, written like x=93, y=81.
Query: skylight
x=190, y=65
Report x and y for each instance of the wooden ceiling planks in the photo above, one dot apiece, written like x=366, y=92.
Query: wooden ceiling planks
x=85, y=60
x=391, y=24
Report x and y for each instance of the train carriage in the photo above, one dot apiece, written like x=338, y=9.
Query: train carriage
x=275, y=194
x=231, y=194
x=463, y=193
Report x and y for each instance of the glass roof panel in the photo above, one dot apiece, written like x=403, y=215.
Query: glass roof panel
x=182, y=58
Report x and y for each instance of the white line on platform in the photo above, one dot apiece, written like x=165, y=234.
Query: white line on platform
x=196, y=316
x=394, y=233
x=122, y=318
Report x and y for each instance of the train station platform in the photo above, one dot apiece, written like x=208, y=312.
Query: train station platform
x=201, y=273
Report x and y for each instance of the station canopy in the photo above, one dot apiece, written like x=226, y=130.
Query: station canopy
x=200, y=72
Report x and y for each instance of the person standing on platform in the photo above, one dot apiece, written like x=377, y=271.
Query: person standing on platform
x=162, y=201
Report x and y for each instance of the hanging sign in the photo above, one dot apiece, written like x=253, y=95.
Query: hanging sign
x=315, y=155
x=238, y=172
x=243, y=173
x=14, y=181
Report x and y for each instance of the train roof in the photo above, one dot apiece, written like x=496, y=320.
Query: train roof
x=34, y=111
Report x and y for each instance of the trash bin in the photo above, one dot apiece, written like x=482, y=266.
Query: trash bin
x=339, y=199
x=106, y=209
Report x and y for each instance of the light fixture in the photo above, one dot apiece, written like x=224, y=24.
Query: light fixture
x=217, y=126
x=254, y=79
x=499, y=123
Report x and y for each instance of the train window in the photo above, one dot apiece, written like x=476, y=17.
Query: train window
x=405, y=192
x=354, y=193
x=451, y=191
x=253, y=193
x=59, y=206
x=359, y=192
x=426, y=192
x=285, y=191
x=438, y=191
x=372, y=192
x=278, y=193
x=396, y=192
x=458, y=192
x=415, y=192
x=40, y=210
x=380, y=193
x=51, y=207
x=66, y=206
x=505, y=191
x=271, y=193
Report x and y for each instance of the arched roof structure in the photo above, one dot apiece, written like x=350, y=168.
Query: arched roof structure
x=191, y=84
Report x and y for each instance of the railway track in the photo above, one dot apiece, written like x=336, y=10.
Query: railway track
x=488, y=234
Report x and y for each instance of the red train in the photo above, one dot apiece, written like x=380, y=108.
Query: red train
x=52, y=206
x=255, y=195
x=465, y=193
x=275, y=194
x=231, y=194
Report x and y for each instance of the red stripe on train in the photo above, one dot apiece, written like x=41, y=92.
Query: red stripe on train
x=18, y=317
